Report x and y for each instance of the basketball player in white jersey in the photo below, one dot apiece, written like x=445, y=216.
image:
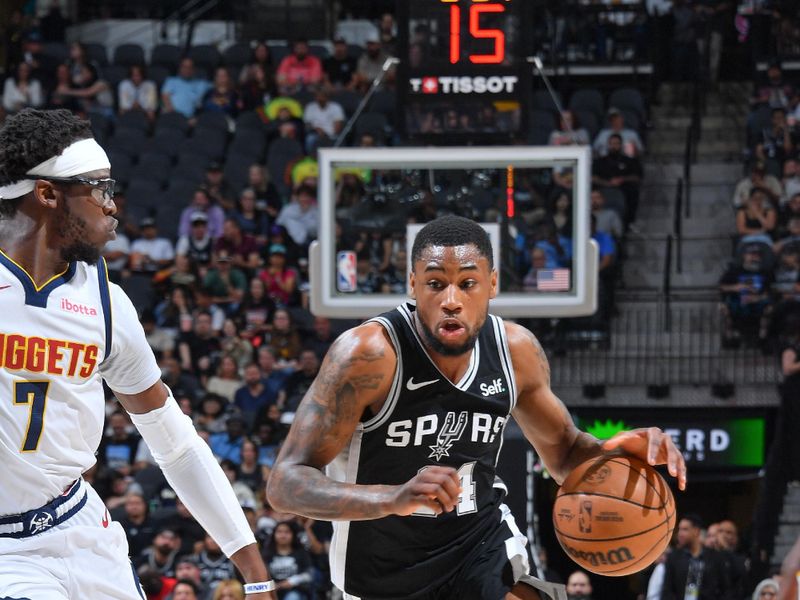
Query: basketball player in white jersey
x=63, y=330
x=407, y=414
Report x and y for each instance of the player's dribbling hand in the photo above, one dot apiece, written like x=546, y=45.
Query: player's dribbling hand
x=436, y=488
x=651, y=445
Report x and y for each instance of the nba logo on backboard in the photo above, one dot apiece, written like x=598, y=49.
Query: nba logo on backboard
x=346, y=271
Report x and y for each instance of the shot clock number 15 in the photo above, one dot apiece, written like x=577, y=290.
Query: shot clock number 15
x=476, y=9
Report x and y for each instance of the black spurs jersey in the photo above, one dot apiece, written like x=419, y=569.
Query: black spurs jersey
x=426, y=420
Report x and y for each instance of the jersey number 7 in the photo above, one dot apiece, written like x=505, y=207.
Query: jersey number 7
x=33, y=394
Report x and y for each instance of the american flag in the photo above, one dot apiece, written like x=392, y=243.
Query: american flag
x=552, y=280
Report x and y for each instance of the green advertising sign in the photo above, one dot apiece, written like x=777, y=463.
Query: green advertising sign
x=710, y=442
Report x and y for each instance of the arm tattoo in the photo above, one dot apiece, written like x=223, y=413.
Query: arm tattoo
x=544, y=365
x=324, y=421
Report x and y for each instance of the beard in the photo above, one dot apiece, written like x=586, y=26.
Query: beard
x=75, y=229
x=441, y=348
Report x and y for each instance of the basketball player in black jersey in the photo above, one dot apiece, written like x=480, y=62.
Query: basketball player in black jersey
x=406, y=418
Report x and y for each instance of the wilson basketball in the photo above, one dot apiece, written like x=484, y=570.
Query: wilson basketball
x=614, y=515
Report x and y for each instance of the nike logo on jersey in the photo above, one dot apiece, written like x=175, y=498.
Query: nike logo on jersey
x=2, y=287
x=415, y=386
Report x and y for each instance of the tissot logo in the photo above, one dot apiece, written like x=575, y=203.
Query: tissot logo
x=496, y=84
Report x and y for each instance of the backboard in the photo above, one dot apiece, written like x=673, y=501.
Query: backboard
x=372, y=201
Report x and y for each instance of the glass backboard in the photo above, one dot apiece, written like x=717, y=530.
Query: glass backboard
x=533, y=202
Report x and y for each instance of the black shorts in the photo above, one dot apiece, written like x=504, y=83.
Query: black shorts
x=489, y=571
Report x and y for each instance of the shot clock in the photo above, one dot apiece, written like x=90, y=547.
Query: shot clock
x=463, y=77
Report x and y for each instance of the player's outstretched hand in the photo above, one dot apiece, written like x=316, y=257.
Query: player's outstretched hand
x=652, y=445
x=436, y=488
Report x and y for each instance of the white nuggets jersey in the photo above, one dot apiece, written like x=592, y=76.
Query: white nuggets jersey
x=56, y=342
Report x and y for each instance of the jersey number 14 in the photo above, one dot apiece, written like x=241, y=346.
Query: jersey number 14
x=466, y=500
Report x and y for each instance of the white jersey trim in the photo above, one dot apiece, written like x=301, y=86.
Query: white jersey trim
x=397, y=383
x=516, y=550
x=341, y=529
x=474, y=359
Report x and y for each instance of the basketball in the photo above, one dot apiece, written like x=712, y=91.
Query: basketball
x=614, y=515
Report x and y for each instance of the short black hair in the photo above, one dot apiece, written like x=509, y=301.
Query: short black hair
x=30, y=137
x=694, y=519
x=452, y=230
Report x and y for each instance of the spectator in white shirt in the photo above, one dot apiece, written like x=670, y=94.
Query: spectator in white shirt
x=138, y=93
x=21, y=91
x=116, y=253
x=631, y=142
x=299, y=217
x=150, y=253
x=324, y=120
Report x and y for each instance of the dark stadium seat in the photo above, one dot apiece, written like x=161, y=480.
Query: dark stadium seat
x=249, y=120
x=629, y=99
x=348, y=99
x=212, y=142
x=143, y=192
x=213, y=120
x=384, y=102
x=237, y=55
x=303, y=96
x=113, y=74
x=542, y=119
x=126, y=55
x=588, y=99
x=319, y=50
x=101, y=127
x=139, y=288
x=158, y=74
x=168, y=217
x=632, y=119
x=541, y=100
x=97, y=53
x=374, y=123
x=354, y=50
x=121, y=166
x=538, y=136
x=179, y=191
x=191, y=167
x=59, y=51
x=172, y=120
x=153, y=165
x=278, y=51
x=249, y=142
x=614, y=200
x=128, y=141
x=205, y=56
x=280, y=153
x=133, y=119
x=237, y=169
x=589, y=121
x=166, y=141
x=166, y=55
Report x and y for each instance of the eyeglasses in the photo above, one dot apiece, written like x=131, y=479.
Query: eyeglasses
x=106, y=186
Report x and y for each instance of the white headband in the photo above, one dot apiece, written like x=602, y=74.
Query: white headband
x=81, y=157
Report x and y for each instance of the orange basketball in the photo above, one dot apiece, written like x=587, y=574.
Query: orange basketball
x=614, y=515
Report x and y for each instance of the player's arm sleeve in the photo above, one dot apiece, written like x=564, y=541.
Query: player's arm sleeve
x=130, y=366
x=192, y=471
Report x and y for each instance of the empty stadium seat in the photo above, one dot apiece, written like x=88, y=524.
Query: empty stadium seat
x=541, y=100
x=249, y=142
x=629, y=99
x=97, y=53
x=172, y=120
x=348, y=99
x=213, y=120
x=237, y=55
x=588, y=99
x=374, y=123
x=134, y=119
x=126, y=55
x=542, y=119
x=166, y=55
x=58, y=51
x=280, y=153
x=153, y=165
x=166, y=141
x=205, y=56
x=127, y=141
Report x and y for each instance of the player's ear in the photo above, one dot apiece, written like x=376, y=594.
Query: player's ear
x=493, y=284
x=45, y=193
x=411, y=281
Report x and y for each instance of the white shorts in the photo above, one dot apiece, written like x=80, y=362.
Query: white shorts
x=85, y=556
